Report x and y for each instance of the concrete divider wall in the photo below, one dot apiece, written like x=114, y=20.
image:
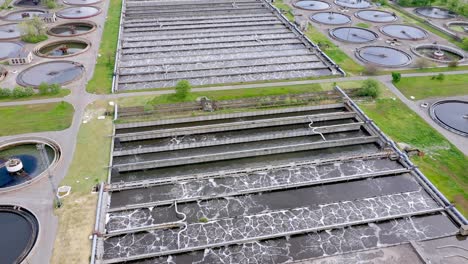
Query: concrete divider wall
x=243, y=154
x=233, y=126
x=226, y=116
x=278, y=135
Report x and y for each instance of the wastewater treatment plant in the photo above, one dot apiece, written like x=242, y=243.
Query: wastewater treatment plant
x=233, y=131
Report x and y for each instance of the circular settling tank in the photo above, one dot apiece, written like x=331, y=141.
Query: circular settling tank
x=9, y=49
x=458, y=27
x=59, y=72
x=9, y=31
x=28, y=3
x=23, y=14
x=312, y=5
x=376, y=16
x=330, y=18
x=63, y=48
x=353, y=3
x=404, y=32
x=353, y=34
x=383, y=56
x=72, y=29
x=78, y=12
x=435, y=12
x=452, y=115
x=81, y=2
x=19, y=229
x=438, y=53
x=27, y=154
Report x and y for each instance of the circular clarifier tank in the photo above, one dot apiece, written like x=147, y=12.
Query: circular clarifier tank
x=438, y=53
x=383, y=56
x=9, y=50
x=312, y=5
x=404, y=32
x=353, y=34
x=353, y=3
x=20, y=230
x=377, y=16
x=458, y=27
x=435, y=12
x=9, y=31
x=81, y=2
x=28, y=3
x=330, y=18
x=63, y=48
x=79, y=12
x=72, y=29
x=23, y=14
x=25, y=155
x=54, y=72
x=452, y=115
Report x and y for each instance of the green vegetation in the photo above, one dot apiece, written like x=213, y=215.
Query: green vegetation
x=35, y=118
x=370, y=87
x=6, y=4
x=51, y=4
x=439, y=77
x=34, y=30
x=45, y=88
x=19, y=92
x=458, y=6
x=76, y=216
x=334, y=52
x=102, y=78
x=285, y=9
x=203, y=220
x=35, y=96
x=425, y=86
x=442, y=163
x=182, y=89
x=363, y=25
x=396, y=77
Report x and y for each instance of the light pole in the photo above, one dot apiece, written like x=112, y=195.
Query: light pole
x=45, y=162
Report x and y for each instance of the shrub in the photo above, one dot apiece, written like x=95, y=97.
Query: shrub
x=45, y=88
x=453, y=64
x=203, y=220
x=20, y=92
x=5, y=92
x=370, y=88
x=34, y=30
x=396, y=77
x=439, y=77
x=182, y=89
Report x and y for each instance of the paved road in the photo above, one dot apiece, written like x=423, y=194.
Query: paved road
x=41, y=201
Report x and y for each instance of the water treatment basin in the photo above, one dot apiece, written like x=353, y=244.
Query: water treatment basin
x=435, y=12
x=438, y=53
x=9, y=49
x=58, y=72
x=23, y=14
x=377, y=16
x=452, y=115
x=72, y=29
x=79, y=12
x=312, y=5
x=63, y=48
x=9, y=31
x=81, y=2
x=405, y=32
x=330, y=18
x=383, y=56
x=353, y=34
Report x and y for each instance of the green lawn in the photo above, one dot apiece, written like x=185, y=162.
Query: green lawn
x=334, y=52
x=62, y=93
x=35, y=118
x=102, y=78
x=424, y=87
x=362, y=25
x=76, y=216
x=285, y=9
x=442, y=163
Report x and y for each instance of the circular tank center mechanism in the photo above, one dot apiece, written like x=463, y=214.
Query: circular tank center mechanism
x=376, y=16
x=54, y=72
x=383, y=56
x=78, y=12
x=62, y=48
x=21, y=162
x=23, y=14
x=312, y=5
x=452, y=115
x=81, y=2
x=330, y=18
x=20, y=226
x=404, y=32
x=9, y=31
x=353, y=3
x=353, y=34
x=438, y=53
x=458, y=26
x=435, y=12
x=9, y=50
x=72, y=29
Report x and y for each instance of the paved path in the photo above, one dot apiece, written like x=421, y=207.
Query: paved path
x=41, y=201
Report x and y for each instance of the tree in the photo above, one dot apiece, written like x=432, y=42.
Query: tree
x=182, y=89
x=396, y=77
x=19, y=92
x=33, y=30
x=370, y=87
x=5, y=92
